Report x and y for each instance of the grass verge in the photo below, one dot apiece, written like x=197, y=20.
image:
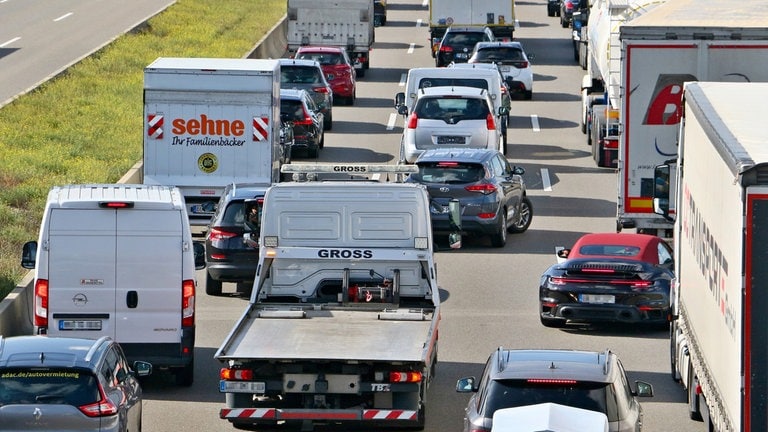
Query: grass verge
x=85, y=126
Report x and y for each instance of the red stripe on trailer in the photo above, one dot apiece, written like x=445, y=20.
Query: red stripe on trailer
x=389, y=415
x=260, y=128
x=155, y=126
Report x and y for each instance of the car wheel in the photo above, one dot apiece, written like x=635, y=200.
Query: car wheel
x=529, y=94
x=360, y=72
x=212, y=286
x=673, y=353
x=552, y=322
x=550, y=12
x=322, y=141
x=504, y=142
x=524, y=217
x=185, y=376
x=499, y=239
x=328, y=124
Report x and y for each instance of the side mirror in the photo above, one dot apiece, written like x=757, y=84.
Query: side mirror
x=661, y=191
x=29, y=255
x=199, y=251
x=466, y=385
x=402, y=110
x=644, y=389
x=142, y=368
x=399, y=99
x=503, y=110
x=454, y=220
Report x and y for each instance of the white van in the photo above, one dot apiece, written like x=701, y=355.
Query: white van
x=118, y=260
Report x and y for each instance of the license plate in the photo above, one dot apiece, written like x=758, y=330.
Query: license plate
x=596, y=298
x=80, y=325
x=505, y=68
x=450, y=140
x=242, y=387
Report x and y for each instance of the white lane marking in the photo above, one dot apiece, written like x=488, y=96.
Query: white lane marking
x=403, y=77
x=535, y=122
x=391, y=122
x=545, y=183
x=10, y=42
x=419, y=22
x=411, y=47
x=66, y=15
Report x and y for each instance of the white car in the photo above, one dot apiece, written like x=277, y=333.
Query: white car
x=447, y=117
x=514, y=64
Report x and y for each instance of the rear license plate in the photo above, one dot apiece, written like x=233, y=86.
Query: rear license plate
x=242, y=387
x=596, y=298
x=450, y=140
x=505, y=68
x=79, y=325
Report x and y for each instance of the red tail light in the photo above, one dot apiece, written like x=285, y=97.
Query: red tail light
x=521, y=64
x=413, y=120
x=611, y=143
x=104, y=407
x=188, y=303
x=486, y=215
x=446, y=48
x=409, y=377
x=236, y=374
x=490, y=123
x=321, y=89
x=41, y=303
x=484, y=188
x=307, y=121
x=220, y=234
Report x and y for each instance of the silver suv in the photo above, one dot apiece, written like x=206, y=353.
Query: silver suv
x=57, y=383
x=451, y=117
x=595, y=381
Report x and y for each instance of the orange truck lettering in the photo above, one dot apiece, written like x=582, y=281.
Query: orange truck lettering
x=208, y=126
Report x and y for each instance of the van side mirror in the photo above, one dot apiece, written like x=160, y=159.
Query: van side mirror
x=29, y=255
x=661, y=191
x=399, y=99
x=198, y=249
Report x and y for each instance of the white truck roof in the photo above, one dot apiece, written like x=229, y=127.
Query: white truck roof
x=712, y=13
x=93, y=195
x=204, y=74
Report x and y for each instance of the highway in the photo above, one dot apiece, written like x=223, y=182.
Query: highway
x=490, y=296
x=41, y=38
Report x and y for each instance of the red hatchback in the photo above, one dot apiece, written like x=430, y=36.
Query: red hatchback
x=337, y=67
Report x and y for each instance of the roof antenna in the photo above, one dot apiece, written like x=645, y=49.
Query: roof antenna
x=552, y=366
x=42, y=357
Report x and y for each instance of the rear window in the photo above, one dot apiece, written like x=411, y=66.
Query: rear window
x=586, y=395
x=449, y=173
x=291, y=110
x=610, y=250
x=234, y=214
x=464, y=39
x=48, y=386
x=441, y=108
x=325, y=59
x=503, y=55
x=453, y=82
x=299, y=75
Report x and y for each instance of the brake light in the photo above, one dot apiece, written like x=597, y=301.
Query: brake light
x=188, y=303
x=307, y=121
x=404, y=377
x=551, y=381
x=490, y=123
x=486, y=215
x=321, y=89
x=220, y=234
x=484, y=188
x=611, y=143
x=446, y=48
x=41, y=303
x=413, y=120
x=447, y=164
x=521, y=64
x=115, y=205
x=102, y=408
x=236, y=374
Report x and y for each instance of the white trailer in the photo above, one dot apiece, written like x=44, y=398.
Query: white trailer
x=209, y=122
x=498, y=15
x=347, y=24
x=676, y=42
x=719, y=333
x=342, y=325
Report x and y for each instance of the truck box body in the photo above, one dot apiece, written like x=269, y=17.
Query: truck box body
x=675, y=42
x=209, y=123
x=115, y=260
x=344, y=300
x=498, y=15
x=347, y=23
x=720, y=335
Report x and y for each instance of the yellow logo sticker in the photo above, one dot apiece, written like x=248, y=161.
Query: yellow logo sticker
x=208, y=163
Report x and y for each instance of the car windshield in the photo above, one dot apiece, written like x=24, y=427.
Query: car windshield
x=609, y=250
x=591, y=396
x=325, y=59
x=48, y=386
x=449, y=172
x=299, y=75
x=442, y=108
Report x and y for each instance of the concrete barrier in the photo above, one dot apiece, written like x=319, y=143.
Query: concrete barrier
x=16, y=308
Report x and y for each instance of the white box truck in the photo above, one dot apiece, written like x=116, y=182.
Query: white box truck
x=719, y=333
x=118, y=260
x=342, y=324
x=498, y=15
x=209, y=122
x=347, y=24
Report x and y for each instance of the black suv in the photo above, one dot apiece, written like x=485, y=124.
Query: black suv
x=231, y=243
x=56, y=383
x=490, y=191
x=594, y=381
x=458, y=42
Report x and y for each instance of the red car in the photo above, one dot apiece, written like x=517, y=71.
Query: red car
x=609, y=277
x=338, y=70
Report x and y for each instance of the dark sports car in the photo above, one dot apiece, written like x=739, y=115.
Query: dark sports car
x=608, y=277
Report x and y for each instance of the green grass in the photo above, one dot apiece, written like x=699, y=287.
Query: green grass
x=85, y=126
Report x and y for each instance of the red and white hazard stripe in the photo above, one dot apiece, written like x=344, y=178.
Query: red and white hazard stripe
x=243, y=413
x=389, y=415
x=298, y=414
x=260, y=128
x=155, y=126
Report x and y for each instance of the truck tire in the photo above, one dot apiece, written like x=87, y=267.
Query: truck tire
x=524, y=218
x=185, y=376
x=673, y=354
x=212, y=286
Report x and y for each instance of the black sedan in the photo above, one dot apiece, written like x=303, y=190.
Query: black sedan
x=609, y=277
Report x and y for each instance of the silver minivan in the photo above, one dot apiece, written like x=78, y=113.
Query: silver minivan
x=446, y=117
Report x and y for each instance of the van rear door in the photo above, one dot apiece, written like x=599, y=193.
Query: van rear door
x=81, y=272
x=149, y=276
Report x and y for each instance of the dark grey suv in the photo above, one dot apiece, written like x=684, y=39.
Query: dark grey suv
x=53, y=383
x=490, y=191
x=594, y=381
x=231, y=243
